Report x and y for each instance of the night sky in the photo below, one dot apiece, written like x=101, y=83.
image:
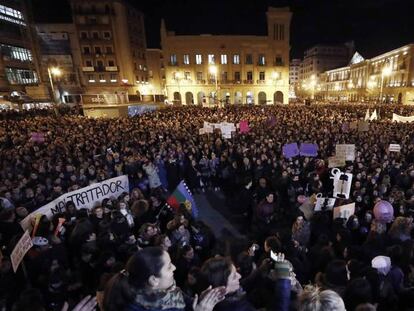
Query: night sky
x=376, y=26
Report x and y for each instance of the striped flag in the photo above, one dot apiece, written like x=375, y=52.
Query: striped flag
x=182, y=195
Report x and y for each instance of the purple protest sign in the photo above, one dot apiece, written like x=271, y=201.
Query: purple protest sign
x=37, y=137
x=244, y=126
x=290, y=150
x=308, y=150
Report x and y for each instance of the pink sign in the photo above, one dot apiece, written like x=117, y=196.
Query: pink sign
x=37, y=137
x=244, y=126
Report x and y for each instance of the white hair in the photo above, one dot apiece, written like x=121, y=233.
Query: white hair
x=314, y=299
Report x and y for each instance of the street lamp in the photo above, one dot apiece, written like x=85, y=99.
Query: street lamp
x=386, y=71
x=213, y=70
x=55, y=72
x=177, y=78
x=312, y=84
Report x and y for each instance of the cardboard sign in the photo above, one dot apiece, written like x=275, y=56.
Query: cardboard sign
x=353, y=125
x=25, y=243
x=346, y=151
x=290, y=150
x=344, y=211
x=308, y=150
x=201, y=131
x=86, y=197
x=394, y=148
x=342, y=184
x=336, y=162
x=363, y=126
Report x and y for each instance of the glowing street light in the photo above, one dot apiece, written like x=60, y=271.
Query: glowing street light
x=386, y=71
x=55, y=72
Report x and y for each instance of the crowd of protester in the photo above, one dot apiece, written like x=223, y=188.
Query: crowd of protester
x=134, y=252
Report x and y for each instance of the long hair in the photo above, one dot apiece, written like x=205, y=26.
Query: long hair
x=122, y=287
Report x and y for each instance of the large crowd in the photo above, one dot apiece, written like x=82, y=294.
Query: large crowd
x=134, y=252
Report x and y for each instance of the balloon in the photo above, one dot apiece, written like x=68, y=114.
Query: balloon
x=301, y=199
x=383, y=211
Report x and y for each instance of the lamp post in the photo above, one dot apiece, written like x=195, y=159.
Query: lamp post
x=386, y=71
x=213, y=70
x=312, y=84
x=177, y=78
x=53, y=72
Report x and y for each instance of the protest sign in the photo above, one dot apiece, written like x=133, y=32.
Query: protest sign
x=201, y=131
x=353, y=125
x=85, y=197
x=324, y=204
x=336, y=161
x=346, y=151
x=397, y=118
x=374, y=116
x=37, y=137
x=244, y=126
x=363, y=126
x=290, y=150
x=308, y=150
x=344, y=211
x=394, y=148
x=367, y=115
x=342, y=184
x=25, y=243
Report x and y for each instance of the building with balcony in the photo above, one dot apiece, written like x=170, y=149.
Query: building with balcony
x=386, y=78
x=112, y=48
x=154, y=90
x=19, y=68
x=59, y=48
x=231, y=69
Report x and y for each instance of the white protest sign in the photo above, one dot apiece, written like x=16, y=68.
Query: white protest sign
x=25, y=243
x=344, y=211
x=85, y=197
x=346, y=151
x=342, y=184
x=367, y=115
x=324, y=204
x=201, y=131
x=394, y=148
x=397, y=118
x=374, y=116
x=336, y=161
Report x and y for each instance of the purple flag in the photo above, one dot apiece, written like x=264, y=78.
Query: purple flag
x=37, y=137
x=290, y=150
x=309, y=150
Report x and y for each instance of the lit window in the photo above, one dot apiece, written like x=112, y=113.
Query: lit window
x=15, y=52
x=211, y=60
x=173, y=59
x=11, y=15
x=199, y=59
x=236, y=59
x=21, y=76
x=262, y=60
x=223, y=59
x=186, y=59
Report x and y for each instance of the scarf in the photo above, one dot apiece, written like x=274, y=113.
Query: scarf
x=171, y=297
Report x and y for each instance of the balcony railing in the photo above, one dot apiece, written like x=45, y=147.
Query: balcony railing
x=248, y=81
x=172, y=64
x=261, y=81
x=111, y=68
x=88, y=68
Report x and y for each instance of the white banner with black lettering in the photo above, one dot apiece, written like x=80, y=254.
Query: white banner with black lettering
x=85, y=197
